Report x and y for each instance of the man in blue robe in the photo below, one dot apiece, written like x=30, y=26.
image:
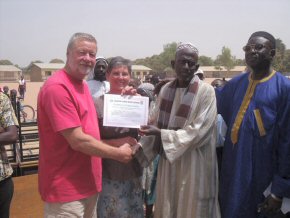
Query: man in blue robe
x=256, y=108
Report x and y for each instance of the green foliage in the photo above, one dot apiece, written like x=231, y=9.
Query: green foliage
x=286, y=61
x=225, y=59
x=279, y=63
x=161, y=63
x=205, y=61
x=57, y=61
x=239, y=62
x=158, y=63
x=5, y=62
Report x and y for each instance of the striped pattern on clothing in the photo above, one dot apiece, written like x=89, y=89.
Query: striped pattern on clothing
x=187, y=181
x=185, y=107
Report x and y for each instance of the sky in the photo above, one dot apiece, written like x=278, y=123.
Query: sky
x=40, y=29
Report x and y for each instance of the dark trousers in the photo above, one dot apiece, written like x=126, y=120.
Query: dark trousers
x=6, y=193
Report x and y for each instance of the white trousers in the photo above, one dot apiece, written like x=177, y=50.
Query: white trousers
x=84, y=208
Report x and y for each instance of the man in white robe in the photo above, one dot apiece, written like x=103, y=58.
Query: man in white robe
x=186, y=128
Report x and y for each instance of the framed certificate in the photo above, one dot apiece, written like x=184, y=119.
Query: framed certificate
x=125, y=111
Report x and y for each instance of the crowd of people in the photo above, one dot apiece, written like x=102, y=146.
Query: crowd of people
x=208, y=150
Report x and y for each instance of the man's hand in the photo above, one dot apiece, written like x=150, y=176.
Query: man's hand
x=150, y=130
x=135, y=148
x=270, y=207
x=125, y=153
x=121, y=141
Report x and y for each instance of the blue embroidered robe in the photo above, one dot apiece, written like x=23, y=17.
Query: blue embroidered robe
x=257, y=146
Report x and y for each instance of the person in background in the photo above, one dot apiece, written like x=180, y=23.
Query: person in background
x=121, y=196
x=134, y=83
x=70, y=173
x=186, y=128
x=97, y=79
x=256, y=108
x=200, y=74
x=13, y=99
x=221, y=126
x=8, y=135
x=6, y=91
x=146, y=89
x=150, y=172
x=218, y=83
x=22, y=87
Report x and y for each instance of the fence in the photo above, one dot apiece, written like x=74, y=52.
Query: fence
x=23, y=155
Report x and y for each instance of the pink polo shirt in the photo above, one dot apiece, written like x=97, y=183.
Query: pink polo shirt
x=65, y=174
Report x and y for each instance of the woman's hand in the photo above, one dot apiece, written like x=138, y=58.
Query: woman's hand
x=129, y=90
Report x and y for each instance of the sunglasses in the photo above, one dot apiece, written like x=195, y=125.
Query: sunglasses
x=256, y=47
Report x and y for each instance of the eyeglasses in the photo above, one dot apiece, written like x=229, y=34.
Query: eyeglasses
x=257, y=47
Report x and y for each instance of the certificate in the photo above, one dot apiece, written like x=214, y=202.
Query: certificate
x=125, y=111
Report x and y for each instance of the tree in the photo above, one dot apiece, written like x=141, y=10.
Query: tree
x=205, y=61
x=57, y=61
x=5, y=62
x=286, y=61
x=162, y=61
x=168, y=54
x=239, y=62
x=278, y=62
x=225, y=59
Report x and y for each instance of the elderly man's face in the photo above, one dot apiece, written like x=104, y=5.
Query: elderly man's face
x=185, y=65
x=258, y=52
x=81, y=58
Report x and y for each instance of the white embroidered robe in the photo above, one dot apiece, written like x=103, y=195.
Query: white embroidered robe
x=187, y=182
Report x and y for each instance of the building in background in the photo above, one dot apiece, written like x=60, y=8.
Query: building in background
x=140, y=72
x=9, y=73
x=221, y=72
x=39, y=72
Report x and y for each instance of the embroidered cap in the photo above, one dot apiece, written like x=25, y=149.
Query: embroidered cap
x=188, y=45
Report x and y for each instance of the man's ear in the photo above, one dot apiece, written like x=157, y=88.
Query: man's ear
x=273, y=52
x=172, y=64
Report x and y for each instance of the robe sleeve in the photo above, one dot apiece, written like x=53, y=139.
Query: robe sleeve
x=281, y=180
x=224, y=96
x=199, y=131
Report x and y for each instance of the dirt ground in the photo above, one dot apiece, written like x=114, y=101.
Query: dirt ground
x=32, y=89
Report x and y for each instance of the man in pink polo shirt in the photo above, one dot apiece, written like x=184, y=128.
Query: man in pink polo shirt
x=70, y=148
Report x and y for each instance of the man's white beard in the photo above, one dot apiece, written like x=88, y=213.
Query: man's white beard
x=87, y=70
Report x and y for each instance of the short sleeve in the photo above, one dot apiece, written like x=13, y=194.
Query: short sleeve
x=7, y=116
x=61, y=107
